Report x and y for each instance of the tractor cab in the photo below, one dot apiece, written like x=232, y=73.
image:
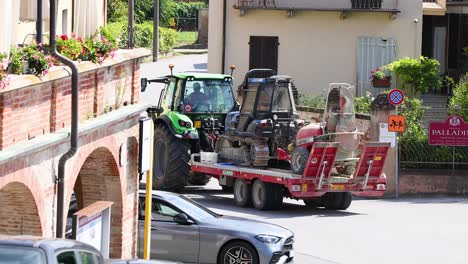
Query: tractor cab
x=268, y=111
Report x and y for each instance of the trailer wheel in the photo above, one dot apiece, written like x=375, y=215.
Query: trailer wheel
x=267, y=196
x=198, y=179
x=337, y=201
x=313, y=202
x=242, y=193
x=299, y=158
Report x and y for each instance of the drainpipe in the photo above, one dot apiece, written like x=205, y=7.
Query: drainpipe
x=39, y=22
x=74, y=121
x=131, y=24
x=223, y=59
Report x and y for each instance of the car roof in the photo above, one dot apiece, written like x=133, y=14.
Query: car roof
x=41, y=242
x=159, y=194
x=201, y=76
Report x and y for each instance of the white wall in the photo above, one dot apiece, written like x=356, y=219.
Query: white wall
x=316, y=47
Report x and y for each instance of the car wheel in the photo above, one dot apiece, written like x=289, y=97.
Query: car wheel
x=238, y=252
x=267, y=196
x=242, y=193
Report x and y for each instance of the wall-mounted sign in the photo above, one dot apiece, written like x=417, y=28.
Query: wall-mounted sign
x=91, y=225
x=385, y=135
x=145, y=145
x=452, y=132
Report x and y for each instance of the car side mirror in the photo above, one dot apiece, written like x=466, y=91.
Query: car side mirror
x=144, y=84
x=182, y=219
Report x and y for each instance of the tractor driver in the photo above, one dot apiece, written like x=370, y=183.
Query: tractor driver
x=196, y=97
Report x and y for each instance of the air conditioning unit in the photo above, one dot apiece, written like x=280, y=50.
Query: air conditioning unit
x=366, y=4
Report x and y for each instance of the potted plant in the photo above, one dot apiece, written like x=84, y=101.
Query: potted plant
x=380, y=79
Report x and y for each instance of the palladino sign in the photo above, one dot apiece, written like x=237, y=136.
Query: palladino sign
x=452, y=132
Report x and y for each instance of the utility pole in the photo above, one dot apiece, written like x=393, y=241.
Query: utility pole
x=131, y=23
x=39, y=22
x=156, y=30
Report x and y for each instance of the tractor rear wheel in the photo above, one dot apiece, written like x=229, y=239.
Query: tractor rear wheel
x=198, y=179
x=299, y=158
x=171, y=161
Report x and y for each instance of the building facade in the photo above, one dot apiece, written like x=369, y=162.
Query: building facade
x=316, y=42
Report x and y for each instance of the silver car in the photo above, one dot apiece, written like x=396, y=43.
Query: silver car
x=185, y=231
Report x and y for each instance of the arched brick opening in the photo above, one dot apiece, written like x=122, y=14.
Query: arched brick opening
x=99, y=180
x=18, y=211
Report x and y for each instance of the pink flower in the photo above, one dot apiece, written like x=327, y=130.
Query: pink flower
x=80, y=39
x=73, y=35
x=101, y=59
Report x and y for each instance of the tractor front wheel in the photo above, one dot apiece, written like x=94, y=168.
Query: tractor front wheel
x=171, y=161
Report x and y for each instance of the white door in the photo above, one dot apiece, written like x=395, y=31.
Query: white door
x=439, y=47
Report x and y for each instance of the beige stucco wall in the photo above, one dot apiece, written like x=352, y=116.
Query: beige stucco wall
x=316, y=47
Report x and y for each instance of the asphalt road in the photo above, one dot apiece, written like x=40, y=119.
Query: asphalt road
x=429, y=230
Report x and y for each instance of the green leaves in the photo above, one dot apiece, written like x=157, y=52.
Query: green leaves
x=418, y=74
x=459, y=100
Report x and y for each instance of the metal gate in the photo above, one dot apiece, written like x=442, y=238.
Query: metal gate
x=372, y=52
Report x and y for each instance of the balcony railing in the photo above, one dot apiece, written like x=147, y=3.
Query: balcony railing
x=331, y=5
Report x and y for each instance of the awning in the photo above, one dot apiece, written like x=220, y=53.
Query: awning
x=89, y=16
x=28, y=10
x=6, y=7
x=434, y=8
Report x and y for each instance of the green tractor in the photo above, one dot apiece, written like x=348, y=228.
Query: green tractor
x=188, y=119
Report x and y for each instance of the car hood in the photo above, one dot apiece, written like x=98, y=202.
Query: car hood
x=253, y=227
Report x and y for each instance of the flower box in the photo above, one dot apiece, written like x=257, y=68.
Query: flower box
x=382, y=83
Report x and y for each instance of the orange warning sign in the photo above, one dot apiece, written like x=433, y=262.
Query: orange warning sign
x=396, y=123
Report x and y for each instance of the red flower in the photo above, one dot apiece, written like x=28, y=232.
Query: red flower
x=73, y=35
x=372, y=71
x=64, y=37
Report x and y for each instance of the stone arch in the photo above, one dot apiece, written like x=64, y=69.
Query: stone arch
x=99, y=180
x=18, y=211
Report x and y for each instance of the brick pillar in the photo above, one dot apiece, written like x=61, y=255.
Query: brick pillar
x=136, y=82
x=380, y=110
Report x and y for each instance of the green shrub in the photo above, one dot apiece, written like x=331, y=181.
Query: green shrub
x=317, y=101
x=117, y=10
x=459, y=100
x=167, y=39
x=188, y=10
x=363, y=104
x=69, y=47
x=417, y=75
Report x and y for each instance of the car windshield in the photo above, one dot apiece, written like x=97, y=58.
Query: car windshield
x=206, y=96
x=192, y=208
x=21, y=255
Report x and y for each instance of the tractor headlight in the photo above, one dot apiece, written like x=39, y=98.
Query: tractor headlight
x=185, y=124
x=268, y=239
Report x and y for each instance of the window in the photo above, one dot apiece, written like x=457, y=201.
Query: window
x=65, y=22
x=169, y=93
x=21, y=255
x=161, y=211
x=88, y=258
x=209, y=96
x=67, y=257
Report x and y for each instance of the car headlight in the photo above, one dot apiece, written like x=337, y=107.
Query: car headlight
x=267, y=239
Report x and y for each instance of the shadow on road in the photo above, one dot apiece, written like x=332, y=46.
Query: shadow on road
x=217, y=199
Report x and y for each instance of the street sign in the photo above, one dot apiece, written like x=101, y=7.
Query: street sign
x=396, y=123
x=396, y=97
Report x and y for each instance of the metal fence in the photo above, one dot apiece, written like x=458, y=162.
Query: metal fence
x=187, y=24
x=415, y=151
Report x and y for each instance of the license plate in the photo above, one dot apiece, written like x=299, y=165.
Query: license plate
x=339, y=187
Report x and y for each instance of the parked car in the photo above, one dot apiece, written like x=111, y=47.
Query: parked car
x=38, y=250
x=186, y=231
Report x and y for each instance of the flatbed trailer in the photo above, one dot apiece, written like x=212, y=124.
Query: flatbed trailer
x=318, y=186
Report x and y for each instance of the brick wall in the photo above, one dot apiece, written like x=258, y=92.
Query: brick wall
x=41, y=107
x=32, y=107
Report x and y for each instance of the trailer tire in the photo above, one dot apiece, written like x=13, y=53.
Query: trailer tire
x=313, y=202
x=337, y=201
x=299, y=158
x=346, y=199
x=171, y=160
x=267, y=196
x=198, y=179
x=242, y=193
